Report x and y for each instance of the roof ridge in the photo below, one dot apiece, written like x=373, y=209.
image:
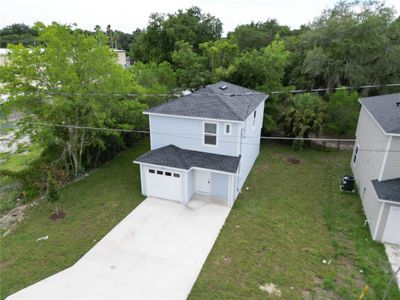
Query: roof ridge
x=180, y=156
x=222, y=100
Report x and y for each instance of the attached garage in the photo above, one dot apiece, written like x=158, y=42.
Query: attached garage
x=178, y=174
x=165, y=184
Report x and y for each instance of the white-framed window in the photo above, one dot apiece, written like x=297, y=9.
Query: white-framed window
x=228, y=128
x=152, y=171
x=355, y=154
x=254, y=118
x=210, y=131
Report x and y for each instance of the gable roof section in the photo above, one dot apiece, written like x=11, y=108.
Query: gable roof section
x=385, y=111
x=388, y=190
x=214, y=103
x=175, y=157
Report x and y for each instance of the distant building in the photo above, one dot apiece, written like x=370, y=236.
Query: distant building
x=376, y=165
x=3, y=56
x=122, y=58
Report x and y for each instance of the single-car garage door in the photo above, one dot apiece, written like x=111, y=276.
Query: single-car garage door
x=164, y=184
x=392, y=228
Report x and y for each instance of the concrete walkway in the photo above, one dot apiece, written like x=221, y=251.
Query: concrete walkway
x=156, y=252
x=393, y=254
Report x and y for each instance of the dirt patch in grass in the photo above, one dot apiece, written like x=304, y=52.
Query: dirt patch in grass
x=293, y=161
x=59, y=215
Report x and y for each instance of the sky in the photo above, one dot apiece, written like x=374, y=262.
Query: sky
x=127, y=15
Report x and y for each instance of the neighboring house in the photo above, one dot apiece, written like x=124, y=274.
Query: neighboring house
x=376, y=165
x=3, y=56
x=122, y=59
x=203, y=143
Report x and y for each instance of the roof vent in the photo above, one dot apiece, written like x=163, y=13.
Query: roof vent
x=398, y=103
x=224, y=87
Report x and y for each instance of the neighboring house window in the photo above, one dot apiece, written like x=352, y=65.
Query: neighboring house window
x=210, y=134
x=355, y=155
x=254, y=118
x=228, y=128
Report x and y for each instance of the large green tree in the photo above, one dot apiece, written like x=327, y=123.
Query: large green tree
x=220, y=56
x=263, y=69
x=157, y=42
x=69, y=80
x=17, y=34
x=354, y=43
x=257, y=35
x=190, y=67
x=343, y=111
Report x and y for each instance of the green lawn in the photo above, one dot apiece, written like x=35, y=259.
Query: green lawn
x=291, y=218
x=93, y=206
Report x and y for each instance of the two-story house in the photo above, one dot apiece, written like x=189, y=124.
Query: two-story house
x=376, y=165
x=203, y=143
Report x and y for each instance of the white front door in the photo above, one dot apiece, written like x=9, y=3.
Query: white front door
x=203, y=182
x=392, y=228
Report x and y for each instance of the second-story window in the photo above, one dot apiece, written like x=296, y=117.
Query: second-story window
x=210, y=134
x=254, y=118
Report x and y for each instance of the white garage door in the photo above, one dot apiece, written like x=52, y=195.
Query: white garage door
x=392, y=228
x=164, y=184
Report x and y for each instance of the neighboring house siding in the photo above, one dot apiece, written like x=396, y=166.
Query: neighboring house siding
x=188, y=134
x=391, y=168
x=220, y=185
x=250, y=144
x=372, y=144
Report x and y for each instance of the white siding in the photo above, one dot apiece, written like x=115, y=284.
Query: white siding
x=372, y=145
x=250, y=143
x=391, y=168
x=189, y=133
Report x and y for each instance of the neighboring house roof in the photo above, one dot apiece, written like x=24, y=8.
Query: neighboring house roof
x=175, y=157
x=388, y=189
x=214, y=103
x=385, y=111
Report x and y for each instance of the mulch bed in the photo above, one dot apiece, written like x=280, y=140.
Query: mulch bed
x=293, y=161
x=60, y=215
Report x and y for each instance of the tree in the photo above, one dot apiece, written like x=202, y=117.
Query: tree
x=53, y=195
x=304, y=112
x=17, y=34
x=354, y=43
x=257, y=35
x=220, y=55
x=343, y=110
x=153, y=78
x=262, y=69
x=69, y=80
x=189, y=66
x=157, y=42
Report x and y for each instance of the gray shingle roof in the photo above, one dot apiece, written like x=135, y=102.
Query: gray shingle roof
x=214, y=103
x=387, y=189
x=175, y=157
x=385, y=111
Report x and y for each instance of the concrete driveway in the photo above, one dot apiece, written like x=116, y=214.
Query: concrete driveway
x=156, y=252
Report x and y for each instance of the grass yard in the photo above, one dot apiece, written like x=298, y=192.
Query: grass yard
x=93, y=206
x=279, y=231
x=291, y=219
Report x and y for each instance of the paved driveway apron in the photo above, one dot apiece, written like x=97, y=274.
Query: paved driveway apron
x=156, y=252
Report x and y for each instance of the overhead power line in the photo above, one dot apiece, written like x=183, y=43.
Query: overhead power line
x=193, y=137
x=195, y=93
